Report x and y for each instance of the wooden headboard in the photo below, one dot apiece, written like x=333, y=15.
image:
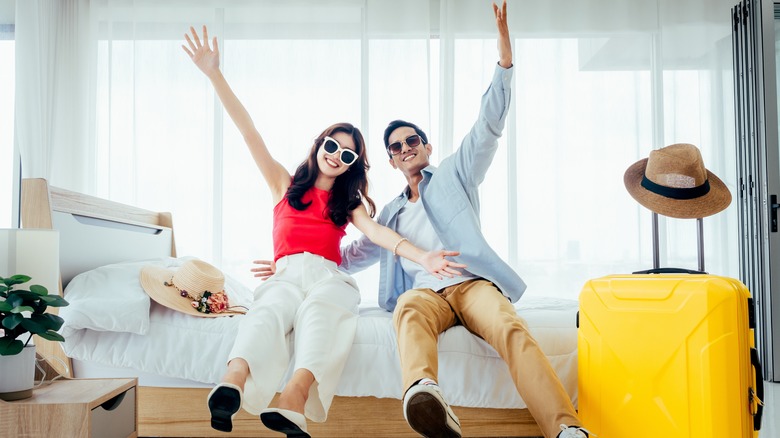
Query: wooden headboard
x=93, y=232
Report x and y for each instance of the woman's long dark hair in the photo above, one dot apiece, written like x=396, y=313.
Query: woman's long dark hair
x=349, y=188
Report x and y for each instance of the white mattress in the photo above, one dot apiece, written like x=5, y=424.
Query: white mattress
x=174, y=349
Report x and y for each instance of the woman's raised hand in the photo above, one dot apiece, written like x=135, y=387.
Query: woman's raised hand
x=205, y=58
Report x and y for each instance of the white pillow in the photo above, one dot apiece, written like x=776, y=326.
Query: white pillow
x=110, y=298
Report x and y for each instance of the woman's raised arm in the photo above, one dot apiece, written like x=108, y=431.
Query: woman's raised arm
x=206, y=58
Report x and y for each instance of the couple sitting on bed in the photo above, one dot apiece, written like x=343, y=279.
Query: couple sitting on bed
x=429, y=290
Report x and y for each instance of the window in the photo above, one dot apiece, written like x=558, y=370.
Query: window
x=164, y=143
x=584, y=107
x=578, y=129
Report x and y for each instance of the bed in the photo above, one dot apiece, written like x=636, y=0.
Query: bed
x=153, y=343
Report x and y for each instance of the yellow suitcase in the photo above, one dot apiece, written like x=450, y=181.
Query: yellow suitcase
x=668, y=355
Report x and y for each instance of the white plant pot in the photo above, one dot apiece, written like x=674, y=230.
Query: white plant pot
x=17, y=374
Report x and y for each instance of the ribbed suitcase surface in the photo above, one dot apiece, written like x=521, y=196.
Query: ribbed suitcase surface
x=667, y=356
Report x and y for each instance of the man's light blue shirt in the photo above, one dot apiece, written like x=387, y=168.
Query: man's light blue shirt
x=450, y=196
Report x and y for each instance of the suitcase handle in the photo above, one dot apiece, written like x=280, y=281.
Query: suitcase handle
x=759, y=389
x=669, y=271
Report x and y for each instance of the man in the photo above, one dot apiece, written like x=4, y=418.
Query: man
x=440, y=209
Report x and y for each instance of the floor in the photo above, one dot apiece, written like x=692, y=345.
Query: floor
x=770, y=427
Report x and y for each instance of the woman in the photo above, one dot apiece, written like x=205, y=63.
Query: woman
x=308, y=292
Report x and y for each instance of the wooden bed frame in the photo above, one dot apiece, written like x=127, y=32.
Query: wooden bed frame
x=180, y=412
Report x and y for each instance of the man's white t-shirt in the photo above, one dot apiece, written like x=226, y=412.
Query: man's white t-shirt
x=413, y=224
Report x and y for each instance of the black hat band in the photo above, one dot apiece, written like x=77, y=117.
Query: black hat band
x=674, y=192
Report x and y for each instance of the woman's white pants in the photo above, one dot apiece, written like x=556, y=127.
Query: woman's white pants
x=309, y=296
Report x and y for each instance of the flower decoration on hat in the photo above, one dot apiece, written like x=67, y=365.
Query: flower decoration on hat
x=208, y=302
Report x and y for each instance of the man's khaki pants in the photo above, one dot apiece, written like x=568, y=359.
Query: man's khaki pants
x=421, y=314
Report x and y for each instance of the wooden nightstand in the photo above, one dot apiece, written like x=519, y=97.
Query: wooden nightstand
x=74, y=408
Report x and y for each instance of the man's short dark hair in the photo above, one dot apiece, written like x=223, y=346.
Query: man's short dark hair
x=395, y=124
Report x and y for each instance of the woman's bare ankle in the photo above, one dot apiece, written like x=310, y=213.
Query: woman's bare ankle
x=293, y=398
x=237, y=373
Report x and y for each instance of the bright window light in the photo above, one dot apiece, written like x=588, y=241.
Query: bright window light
x=6, y=130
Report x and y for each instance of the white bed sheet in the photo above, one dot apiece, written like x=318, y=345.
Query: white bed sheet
x=471, y=373
x=178, y=350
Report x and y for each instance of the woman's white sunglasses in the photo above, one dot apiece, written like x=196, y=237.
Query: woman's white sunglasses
x=332, y=147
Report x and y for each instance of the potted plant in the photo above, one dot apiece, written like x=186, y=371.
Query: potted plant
x=23, y=312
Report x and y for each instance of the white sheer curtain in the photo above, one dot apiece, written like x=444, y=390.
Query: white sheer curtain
x=598, y=84
x=54, y=86
x=298, y=67
x=7, y=77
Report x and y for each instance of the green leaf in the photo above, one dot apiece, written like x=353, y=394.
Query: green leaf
x=3, y=287
x=26, y=294
x=20, y=309
x=33, y=326
x=5, y=307
x=52, y=336
x=9, y=347
x=14, y=301
x=54, y=301
x=48, y=320
x=38, y=308
x=11, y=321
x=38, y=289
x=16, y=279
